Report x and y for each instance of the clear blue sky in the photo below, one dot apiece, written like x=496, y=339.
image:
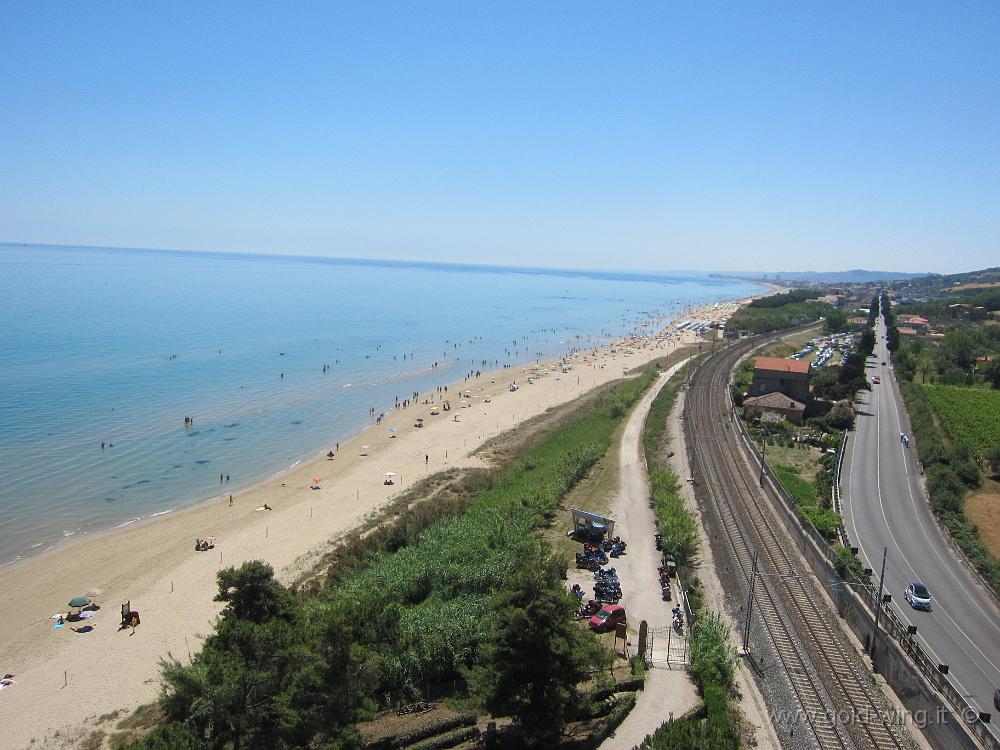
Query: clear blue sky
x=764, y=136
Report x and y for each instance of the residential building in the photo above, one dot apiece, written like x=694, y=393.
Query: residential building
x=776, y=375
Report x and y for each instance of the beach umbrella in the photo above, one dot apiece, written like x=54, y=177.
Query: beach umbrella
x=94, y=592
x=79, y=601
x=390, y=473
x=316, y=480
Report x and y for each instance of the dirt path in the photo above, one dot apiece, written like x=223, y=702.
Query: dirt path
x=668, y=692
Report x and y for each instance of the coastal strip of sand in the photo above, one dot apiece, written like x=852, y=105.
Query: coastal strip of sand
x=63, y=677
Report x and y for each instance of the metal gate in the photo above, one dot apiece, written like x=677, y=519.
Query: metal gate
x=665, y=647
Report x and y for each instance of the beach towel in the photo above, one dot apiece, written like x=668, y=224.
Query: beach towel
x=58, y=625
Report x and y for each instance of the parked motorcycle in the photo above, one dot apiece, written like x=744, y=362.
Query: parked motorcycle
x=678, y=621
x=588, y=610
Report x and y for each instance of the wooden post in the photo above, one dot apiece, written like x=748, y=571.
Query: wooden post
x=65, y=678
x=267, y=530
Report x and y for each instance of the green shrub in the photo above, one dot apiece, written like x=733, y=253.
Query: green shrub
x=826, y=521
x=713, y=660
x=448, y=740
x=678, y=527
x=606, y=727
x=427, y=730
x=846, y=562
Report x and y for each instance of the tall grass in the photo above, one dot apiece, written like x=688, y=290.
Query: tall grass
x=441, y=586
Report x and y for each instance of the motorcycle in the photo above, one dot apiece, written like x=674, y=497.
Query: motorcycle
x=665, y=592
x=588, y=610
x=678, y=621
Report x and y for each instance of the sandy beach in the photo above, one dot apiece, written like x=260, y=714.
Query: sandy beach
x=63, y=677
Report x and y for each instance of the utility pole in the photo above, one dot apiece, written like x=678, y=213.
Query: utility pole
x=753, y=584
x=763, y=443
x=878, y=603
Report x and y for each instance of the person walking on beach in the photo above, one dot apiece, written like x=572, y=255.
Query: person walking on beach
x=220, y=478
x=426, y=459
x=230, y=501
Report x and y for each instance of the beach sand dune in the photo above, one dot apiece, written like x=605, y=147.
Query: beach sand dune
x=65, y=677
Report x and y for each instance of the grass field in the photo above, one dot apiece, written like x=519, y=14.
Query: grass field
x=969, y=416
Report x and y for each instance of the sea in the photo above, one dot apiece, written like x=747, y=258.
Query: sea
x=274, y=358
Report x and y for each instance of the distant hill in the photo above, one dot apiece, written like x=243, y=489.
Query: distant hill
x=855, y=276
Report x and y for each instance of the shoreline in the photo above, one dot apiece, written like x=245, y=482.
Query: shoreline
x=152, y=562
x=657, y=324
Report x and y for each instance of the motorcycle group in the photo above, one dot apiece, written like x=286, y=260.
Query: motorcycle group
x=607, y=587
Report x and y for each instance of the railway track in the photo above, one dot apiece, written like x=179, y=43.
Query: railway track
x=838, y=700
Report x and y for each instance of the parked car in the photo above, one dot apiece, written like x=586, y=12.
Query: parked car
x=607, y=617
x=918, y=596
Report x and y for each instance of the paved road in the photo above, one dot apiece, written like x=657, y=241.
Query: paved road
x=885, y=507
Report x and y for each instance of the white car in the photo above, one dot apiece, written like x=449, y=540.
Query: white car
x=918, y=596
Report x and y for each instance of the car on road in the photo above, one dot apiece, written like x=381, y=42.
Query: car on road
x=607, y=617
x=918, y=596
x=876, y=380
x=996, y=699
x=883, y=363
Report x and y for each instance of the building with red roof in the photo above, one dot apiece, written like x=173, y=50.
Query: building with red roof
x=777, y=375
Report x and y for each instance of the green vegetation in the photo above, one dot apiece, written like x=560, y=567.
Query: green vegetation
x=438, y=599
x=802, y=490
x=535, y=657
x=955, y=431
x=678, y=527
x=970, y=416
x=811, y=501
x=780, y=311
x=714, y=725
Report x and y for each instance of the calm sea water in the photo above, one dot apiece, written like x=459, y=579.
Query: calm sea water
x=119, y=346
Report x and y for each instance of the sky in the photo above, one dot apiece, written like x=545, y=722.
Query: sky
x=737, y=136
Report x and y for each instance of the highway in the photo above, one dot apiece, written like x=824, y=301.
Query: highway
x=884, y=506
